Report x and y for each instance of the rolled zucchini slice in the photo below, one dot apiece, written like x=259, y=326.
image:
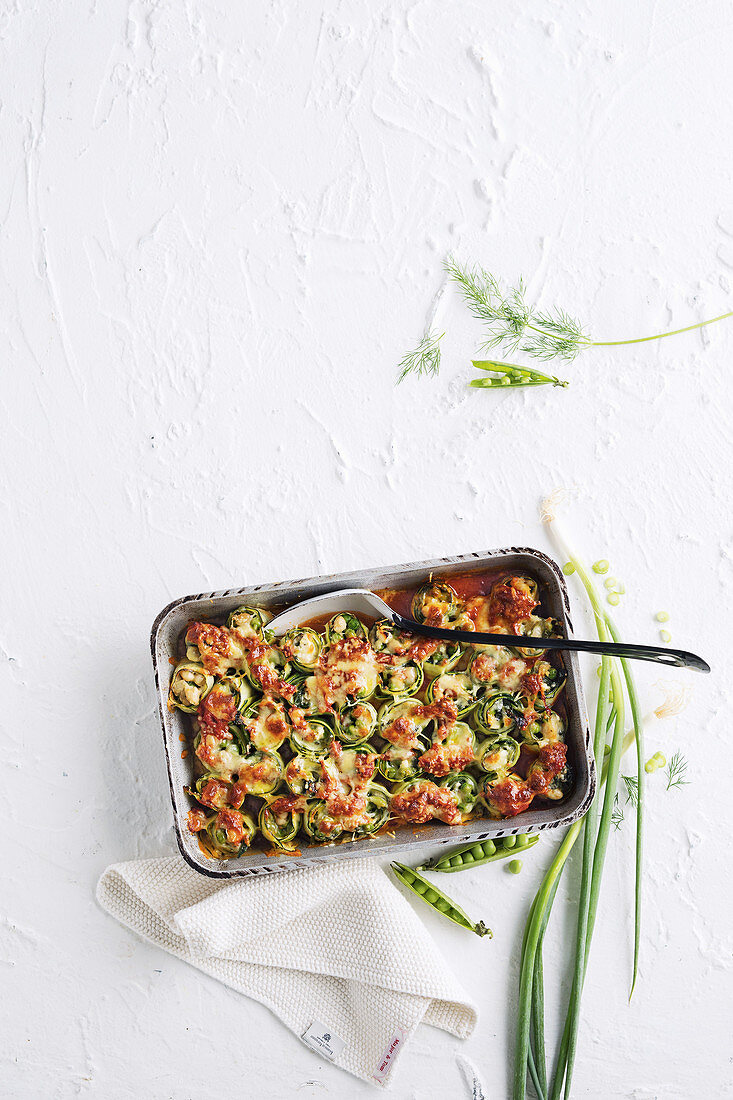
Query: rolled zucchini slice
x=319, y=824
x=266, y=724
x=230, y=833
x=553, y=681
x=304, y=647
x=545, y=729
x=344, y=625
x=190, y=684
x=303, y=775
x=280, y=826
x=437, y=602
x=444, y=659
x=396, y=731
x=400, y=680
x=356, y=723
x=454, y=687
x=560, y=786
x=385, y=637
x=261, y=773
x=499, y=713
x=536, y=627
x=377, y=810
x=526, y=585
x=229, y=697
x=249, y=621
x=451, y=750
x=312, y=738
x=217, y=794
x=274, y=663
x=497, y=755
x=464, y=787
x=487, y=662
x=222, y=758
x=398, y=765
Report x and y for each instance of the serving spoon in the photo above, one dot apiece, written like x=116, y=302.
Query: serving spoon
x=362, y=601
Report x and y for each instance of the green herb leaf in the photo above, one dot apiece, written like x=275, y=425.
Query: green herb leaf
x=676, y=772
x=424, y=359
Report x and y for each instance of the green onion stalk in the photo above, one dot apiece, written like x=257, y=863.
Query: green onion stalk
x=615, y=681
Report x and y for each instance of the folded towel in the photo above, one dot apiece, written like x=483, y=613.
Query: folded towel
x=335, y=951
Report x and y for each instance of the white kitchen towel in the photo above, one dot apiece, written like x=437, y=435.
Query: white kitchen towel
x=335, y=945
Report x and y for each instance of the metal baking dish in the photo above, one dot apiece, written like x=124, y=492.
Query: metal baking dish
x=165, y=648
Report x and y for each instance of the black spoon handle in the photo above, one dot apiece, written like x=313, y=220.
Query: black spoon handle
x=676, y=657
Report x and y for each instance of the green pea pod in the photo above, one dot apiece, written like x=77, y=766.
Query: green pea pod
x=436, y=899
x=475, y=855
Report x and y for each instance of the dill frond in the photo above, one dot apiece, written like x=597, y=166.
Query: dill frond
x=424, y=359
x=676, y=772
x=632, y=788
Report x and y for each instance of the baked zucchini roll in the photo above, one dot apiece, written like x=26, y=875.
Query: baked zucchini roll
x=303, y=775
x=230, y=833
x=260, y=773
x=356, y=723
x=535, y=627
x=250, y=622
x=497, y=755
x=487, y=663
x=403, y=679
x=499, y=712
x=319, y=824
x=266, y=724
x=452, y=750
x=544, y=729
x=269, y=669
x=279, y=823
x=190, y=684
x=385, y=637
x=399, y=764
x=464, y=787
x=456, y=688
x=377, y=810
x=303, y=647
x=443, y=659
x=436, y=603
x=311, y=737
x=344, y=625
x=403, y=722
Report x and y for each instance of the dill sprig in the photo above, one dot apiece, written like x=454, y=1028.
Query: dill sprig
x=676, y=772
x=632, y=788
x=511, y=323
x=617, y=814
x=424, y=359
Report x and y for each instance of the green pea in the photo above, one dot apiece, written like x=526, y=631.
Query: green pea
x=568, y=568
x=469, y=857
x=515, y=866
x=601, y=566
x=455, y=861
x=489, y=848
x=440, y=904
x=510, y=841
x=522, y=841
x=416, y=885
x=431, y=896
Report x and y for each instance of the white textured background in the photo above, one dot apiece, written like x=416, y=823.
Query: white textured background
x=222, y=224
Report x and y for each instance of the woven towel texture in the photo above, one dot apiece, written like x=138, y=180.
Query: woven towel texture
x=336, y=943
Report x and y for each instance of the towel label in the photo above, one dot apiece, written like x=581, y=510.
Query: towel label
x=385, y=1063
x=323, y=1040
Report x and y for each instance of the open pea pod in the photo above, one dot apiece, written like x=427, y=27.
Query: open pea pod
x=436, y=899
x=280, y=826
x=190, y=684
x=480, y=852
